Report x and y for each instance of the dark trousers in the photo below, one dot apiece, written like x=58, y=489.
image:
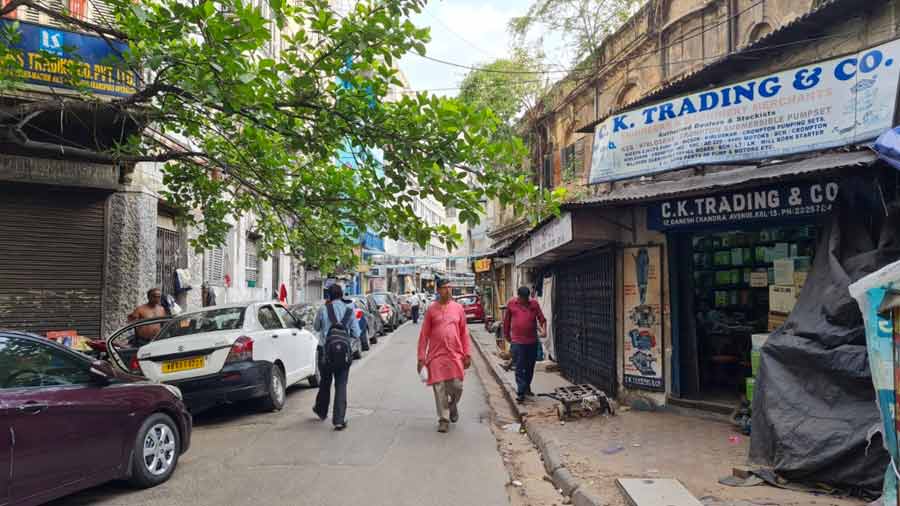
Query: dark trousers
x=415, y=314
x=340, y=377
x=524, y=357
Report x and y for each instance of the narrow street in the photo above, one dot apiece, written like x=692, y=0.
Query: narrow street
x=389, y=455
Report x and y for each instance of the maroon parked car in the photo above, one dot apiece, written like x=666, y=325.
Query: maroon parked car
x=68, y=423
x=472, y=306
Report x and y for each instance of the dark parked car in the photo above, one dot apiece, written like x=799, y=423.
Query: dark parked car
x=388, y=308
x=70, y=423
x=472, y=306
x=370, y=324
x=306, y=312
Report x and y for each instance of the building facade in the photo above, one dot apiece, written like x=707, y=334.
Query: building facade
x=647, y=193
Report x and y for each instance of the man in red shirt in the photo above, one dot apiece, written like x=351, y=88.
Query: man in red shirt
x=445, y=349
x=520, y=326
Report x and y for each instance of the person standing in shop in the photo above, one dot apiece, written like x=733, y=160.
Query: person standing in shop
x=521, y=322
x=445, y=350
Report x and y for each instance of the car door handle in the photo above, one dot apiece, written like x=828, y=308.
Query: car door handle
x=293, y=333
x=32, y=408
x=274, y=336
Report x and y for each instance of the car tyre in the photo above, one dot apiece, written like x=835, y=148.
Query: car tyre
x=274, y=399
x=365, y=338
x=316, y=378
x=157, y=447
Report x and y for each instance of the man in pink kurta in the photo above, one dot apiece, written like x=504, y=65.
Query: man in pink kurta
x=445, y=349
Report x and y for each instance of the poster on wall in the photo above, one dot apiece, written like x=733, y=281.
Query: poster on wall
x=838, y=102
x=643, y=319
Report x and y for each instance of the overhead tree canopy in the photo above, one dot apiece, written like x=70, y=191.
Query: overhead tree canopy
x=581, y=24
x=272, y=126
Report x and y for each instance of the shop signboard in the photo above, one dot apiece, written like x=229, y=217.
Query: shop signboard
x=97, y=62
x=643, y=339
x=483, y=265
x=552, y=235
x=834, y=103
x=742, y=206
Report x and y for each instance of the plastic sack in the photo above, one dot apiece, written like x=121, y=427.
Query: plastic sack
x=423, y=375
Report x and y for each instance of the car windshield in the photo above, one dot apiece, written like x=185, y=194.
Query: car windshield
x=466, y=301
x=306, y=313
x=208, y=321
x=381, y=298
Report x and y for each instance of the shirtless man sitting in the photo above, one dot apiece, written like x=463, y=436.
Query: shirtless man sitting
x=152, y=309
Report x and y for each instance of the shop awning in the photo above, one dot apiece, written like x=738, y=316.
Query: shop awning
x=678, y=184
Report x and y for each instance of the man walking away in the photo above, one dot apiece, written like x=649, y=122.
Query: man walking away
x=520, y=325
x=415, y=301
x=336, y=325
x=445, y=349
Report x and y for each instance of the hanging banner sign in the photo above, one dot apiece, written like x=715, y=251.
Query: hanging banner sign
x=483, y=265
x=741, y=206
x=643, y=339
x=93, y=59
x=835, y=103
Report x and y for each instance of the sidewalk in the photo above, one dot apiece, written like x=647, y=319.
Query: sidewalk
x=638, y=444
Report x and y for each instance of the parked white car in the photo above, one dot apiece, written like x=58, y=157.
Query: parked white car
x=221, y=354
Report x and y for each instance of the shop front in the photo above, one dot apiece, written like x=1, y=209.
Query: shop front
x=743, y=256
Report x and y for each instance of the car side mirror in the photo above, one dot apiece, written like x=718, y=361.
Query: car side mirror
x=102, y=371
x=301, y=324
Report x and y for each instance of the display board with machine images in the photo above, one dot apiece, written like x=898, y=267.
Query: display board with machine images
x=643, y=339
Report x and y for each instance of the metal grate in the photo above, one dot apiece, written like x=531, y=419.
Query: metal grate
x=585, y=322
x=166, y=260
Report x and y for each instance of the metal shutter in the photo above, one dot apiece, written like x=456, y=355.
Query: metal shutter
x=52, y=244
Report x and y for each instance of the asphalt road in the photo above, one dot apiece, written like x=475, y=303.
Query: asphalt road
x=389, y=455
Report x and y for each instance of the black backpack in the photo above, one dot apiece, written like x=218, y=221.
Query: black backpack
x=338, y=348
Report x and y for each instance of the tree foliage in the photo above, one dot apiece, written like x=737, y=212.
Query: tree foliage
x=506, y=86
x=272, y=123
x=582, y=24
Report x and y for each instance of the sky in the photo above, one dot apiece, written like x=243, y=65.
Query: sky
x=469, y=32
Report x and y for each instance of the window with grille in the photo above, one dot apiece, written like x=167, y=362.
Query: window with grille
x=10, y=15
x=100, y=12
x=252, y=262
x=215, y=266
x=78, y=8
x=451, y=212
x=547, y=172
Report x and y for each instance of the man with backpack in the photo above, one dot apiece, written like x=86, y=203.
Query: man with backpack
x=336, y=326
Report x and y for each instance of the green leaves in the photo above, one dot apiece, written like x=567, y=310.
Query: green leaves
x=281, y=130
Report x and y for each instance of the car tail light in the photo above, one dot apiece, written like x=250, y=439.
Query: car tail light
x=135, y=366
x=241, y=350
x=359, y=314
x=385, y=309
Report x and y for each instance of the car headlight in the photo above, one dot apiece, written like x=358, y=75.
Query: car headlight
x=175, y=390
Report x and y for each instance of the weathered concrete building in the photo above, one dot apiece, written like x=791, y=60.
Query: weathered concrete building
x=617, y=229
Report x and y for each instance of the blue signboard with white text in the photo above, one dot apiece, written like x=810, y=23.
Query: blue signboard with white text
x=784, y=201
x=838, y=102
x=97, y=62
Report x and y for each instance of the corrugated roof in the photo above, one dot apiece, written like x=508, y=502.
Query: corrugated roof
x=717, y=71
x=728, y=178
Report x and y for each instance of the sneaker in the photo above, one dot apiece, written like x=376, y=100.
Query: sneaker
x=443, y=426
x=340, y=426
x=520, y=399
x=454, y=414
x=320, y=416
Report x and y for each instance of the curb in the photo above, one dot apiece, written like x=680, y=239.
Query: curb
x=562, y=478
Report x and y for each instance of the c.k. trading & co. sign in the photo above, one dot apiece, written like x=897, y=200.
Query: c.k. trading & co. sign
x=834, y=103
x=93, y=58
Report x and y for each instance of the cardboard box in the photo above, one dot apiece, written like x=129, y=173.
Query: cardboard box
x=776, y=321
x=782, y=299
x=784, y=272
x=759, y=279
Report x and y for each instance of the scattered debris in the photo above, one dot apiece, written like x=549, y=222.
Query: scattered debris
x=735, y=440
x=613, y=449
x=581, y=400
x=512, y=427
x=636, y=445
x=517, y=483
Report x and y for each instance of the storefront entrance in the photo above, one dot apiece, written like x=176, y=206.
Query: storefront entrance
x=584, y=319
x=740, y=282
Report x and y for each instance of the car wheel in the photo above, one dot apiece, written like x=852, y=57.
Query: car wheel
x=317, y=376
x=274, y=400
x=156, y=450
x=365, y=338
x=374, y=340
